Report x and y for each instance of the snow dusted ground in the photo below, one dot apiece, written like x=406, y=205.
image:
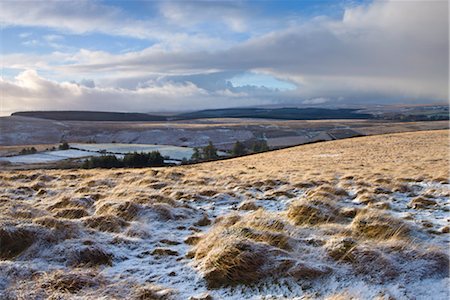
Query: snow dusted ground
x=174, y=153
x=128, y=230
x=48, y=156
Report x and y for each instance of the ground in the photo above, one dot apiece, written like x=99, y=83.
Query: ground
x=355, y=218
x=21, y=131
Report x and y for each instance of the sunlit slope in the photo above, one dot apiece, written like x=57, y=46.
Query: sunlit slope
x=363, y=218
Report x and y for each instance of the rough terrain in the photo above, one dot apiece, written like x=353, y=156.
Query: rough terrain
x=362, y=218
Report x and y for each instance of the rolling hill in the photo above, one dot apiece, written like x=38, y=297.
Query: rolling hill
x=361, y=218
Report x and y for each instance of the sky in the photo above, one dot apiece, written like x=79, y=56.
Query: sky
x=163, y=56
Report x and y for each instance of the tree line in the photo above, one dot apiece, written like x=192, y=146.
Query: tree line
x=209, y=152
x=130, y=160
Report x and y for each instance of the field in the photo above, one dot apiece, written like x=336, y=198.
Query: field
x=78, y=151
x=361, y=218
x=194, y=133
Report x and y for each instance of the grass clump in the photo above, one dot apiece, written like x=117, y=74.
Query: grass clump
x=13, y=241
x=237, y=261
x=71, y=213
x=152, y=292
x=238, y=251
x=90, y=256
x=304, y=212
x=126, y=210
x=376, y=225
x=106, y=223
x=70, y=282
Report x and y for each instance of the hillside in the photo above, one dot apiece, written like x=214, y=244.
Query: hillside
x=262, y=113
x=287, y=113
x=361, y=218
x=88, y=116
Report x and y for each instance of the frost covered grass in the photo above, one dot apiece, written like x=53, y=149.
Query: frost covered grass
x=371, y=221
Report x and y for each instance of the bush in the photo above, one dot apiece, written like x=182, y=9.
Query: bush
x=238, y=149
x=208, y=152
x=104, y=161
x=64, y=146
x=150, y=159
x=260, y=146
x=133, y=160
x=31, y=150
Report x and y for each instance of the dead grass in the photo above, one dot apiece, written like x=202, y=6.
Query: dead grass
x=90, y=256
x=71, y=213
x=106, y=223
x=70, y=282
x=318, y=233
x=14, y=240
x=240, y=253
x=152, y=292
x=126, y=210
x=312, y=212
x=377, y=225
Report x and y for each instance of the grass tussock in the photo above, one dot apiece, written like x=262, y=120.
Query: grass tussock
x=374, y=224
x=106, y=223
x=62, y=229
x=90, y=256
x=71, y=213
x=153, y=292
x=66, y=202
x=238, y=251
x=126, y=210
x=14, y=240
x=341, y=248
x=70, y=282
x=305, y=212
x=236, y=261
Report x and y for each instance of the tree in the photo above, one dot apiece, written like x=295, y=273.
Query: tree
x=260, y=146
x=210, y=151
x=196, y=156
x=238, y=149
x=31, y=150
x=64, y=146
x=134, y=160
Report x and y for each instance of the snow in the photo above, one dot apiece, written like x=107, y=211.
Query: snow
x=175, y=154
x=133, y=262
x=48, y=156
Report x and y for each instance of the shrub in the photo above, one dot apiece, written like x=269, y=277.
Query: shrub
x=25, y=151
x=150, y=159
x=206, y=153
x=133, y=160
x=260, y=146
x=238, y=149
x=64, y=146
x=210, y=151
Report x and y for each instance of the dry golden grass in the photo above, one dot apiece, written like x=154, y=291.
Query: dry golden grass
x=377, y=225
x=342, y=217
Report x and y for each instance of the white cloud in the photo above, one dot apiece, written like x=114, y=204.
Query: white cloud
x=384, y=51
x=29, y=91
x=320, y=100
x=53, y=37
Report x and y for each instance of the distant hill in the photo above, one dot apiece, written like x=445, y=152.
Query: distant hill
x=263, y=113
x=89, y=116
x=291, y=113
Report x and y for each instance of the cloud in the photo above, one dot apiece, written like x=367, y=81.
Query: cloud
x=87, y=17
x=316, y=101
x=382, y=52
